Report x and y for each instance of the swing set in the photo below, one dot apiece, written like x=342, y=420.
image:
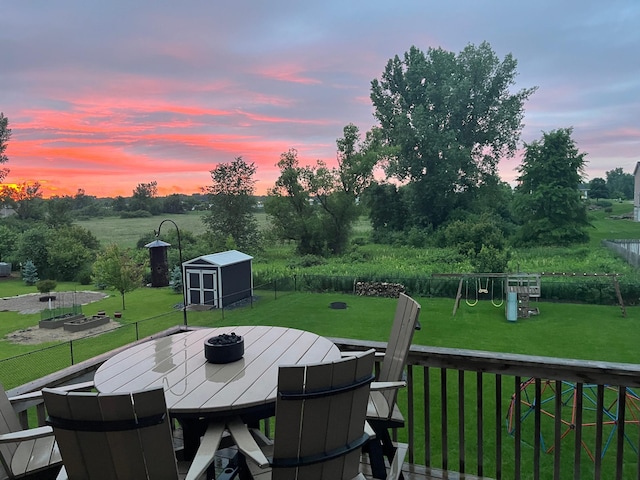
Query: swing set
x=475, y=285
x=478, y=289
x=496, y=287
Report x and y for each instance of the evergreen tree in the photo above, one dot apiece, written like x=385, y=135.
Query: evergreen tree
x=176, y=279
x=29, y=273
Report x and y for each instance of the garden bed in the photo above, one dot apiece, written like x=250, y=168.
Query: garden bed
x=58, y=322
x=86, y=323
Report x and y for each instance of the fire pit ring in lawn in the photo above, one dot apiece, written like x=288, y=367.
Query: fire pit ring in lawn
x=338, y=305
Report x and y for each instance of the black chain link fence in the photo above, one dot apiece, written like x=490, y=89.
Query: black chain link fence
x=15, y=371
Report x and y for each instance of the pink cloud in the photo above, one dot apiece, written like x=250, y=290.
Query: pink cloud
x=287, y=73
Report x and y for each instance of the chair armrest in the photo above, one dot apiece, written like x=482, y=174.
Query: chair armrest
x=38, y=393
x=246, y=443
x=29, y=434
x=350, y=353
x=387, y=385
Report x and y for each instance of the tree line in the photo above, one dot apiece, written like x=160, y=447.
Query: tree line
x=426, y=174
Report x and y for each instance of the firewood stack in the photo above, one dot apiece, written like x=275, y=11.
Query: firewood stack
x=378, y=289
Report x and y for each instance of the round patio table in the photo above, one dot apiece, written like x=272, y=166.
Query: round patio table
x=196, y=389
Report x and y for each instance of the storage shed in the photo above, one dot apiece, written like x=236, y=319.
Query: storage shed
x=219, y=279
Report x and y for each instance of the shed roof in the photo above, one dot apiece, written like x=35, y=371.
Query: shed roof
x=220, y=259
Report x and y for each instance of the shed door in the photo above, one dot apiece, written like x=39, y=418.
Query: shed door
x=202, y=287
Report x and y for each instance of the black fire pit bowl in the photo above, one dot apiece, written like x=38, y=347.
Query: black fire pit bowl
x=225, y=348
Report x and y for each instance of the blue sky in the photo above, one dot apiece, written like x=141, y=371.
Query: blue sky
x=105, y=95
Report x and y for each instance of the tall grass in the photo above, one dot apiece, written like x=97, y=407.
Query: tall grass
x=365, y=259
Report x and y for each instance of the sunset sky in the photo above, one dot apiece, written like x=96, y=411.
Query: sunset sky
x=106, y=95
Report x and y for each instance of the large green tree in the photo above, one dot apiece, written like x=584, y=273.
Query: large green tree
x=230, y=221
x=451, y=118
x=316, y=206
x=62, y=253
x=547, y=201
x=620, y=184
x=5, y=135
x=144, y=197
x=58, y=211
x=598, y=188
x=70, y=251
x=119, y=270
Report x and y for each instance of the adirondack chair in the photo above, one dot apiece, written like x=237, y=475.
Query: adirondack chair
x=382, y=412
x=24, y=452
x=114, y=436
x=319, y=424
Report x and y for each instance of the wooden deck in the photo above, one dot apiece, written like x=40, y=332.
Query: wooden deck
x=409, y=472
x=460, y=400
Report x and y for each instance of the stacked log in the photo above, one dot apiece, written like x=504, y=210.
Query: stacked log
x=378, y=289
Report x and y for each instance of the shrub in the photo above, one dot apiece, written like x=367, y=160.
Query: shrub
x=306, y=261
x=45, y=286
x=83, y=277
x=490, y=259
x=136, y=214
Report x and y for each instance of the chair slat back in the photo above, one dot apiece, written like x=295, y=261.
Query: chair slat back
x=8, y=423
x=395, y=357
x=320, y=413
x=106, y=436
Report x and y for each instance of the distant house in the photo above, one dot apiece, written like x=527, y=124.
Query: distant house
x=583, y=188
x=6, y=211
x=636, y=193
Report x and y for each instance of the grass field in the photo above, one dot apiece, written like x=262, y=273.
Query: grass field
x=126, y=231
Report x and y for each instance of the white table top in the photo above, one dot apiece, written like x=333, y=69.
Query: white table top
x=194, y=386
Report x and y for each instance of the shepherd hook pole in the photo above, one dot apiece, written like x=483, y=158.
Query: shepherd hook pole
x=184, y=286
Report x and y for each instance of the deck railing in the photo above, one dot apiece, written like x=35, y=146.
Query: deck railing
x=506, y=416
x=499, y=416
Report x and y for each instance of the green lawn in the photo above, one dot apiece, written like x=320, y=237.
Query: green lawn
x=607, y=227
x=560, y=330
